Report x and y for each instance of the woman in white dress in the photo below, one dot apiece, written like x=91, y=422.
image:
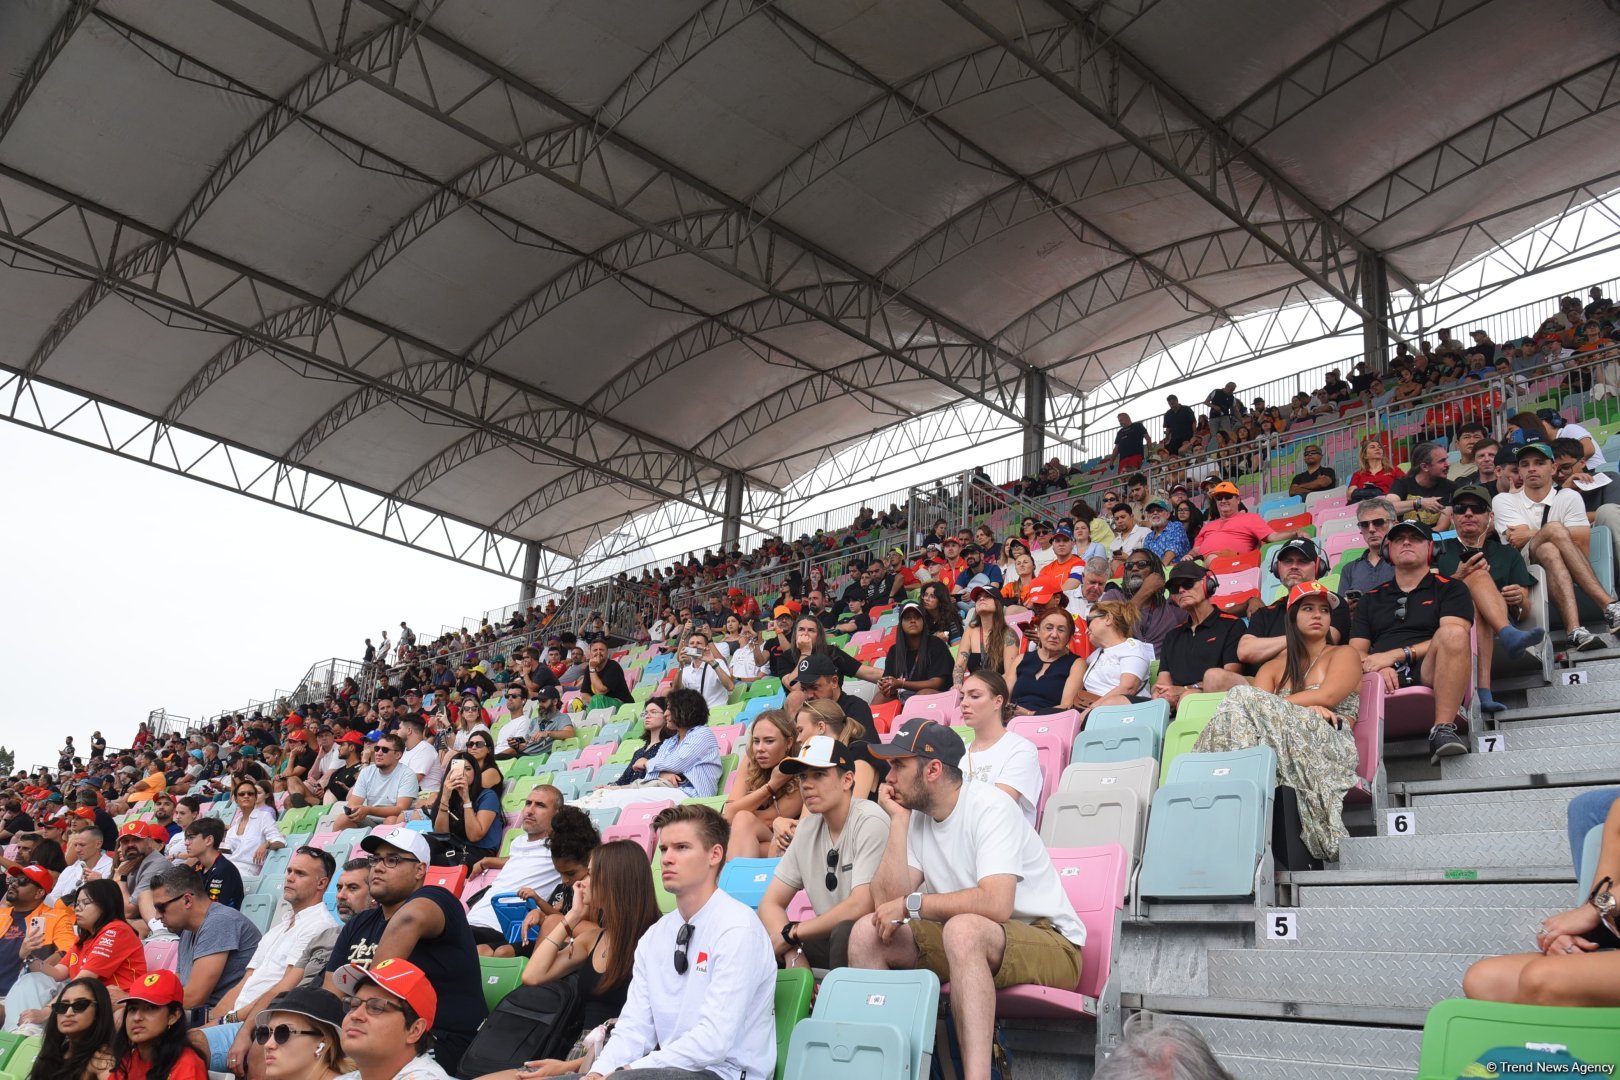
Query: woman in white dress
x=252, y=834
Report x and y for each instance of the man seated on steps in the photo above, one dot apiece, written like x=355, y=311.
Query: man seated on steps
x=1295, y=562
x=1549, y=526
x=1496, y=578
x=1414, y=629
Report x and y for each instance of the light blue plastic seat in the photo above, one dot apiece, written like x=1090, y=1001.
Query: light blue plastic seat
x=274, y=869
x=1201, y=841
x=260, y=908
x=571, y=784
x=755, y=705
x=1116, y=744
x=612, y=733
x=1155, y=714
x=876, y=1025
x=746, y=880
x=1256, y=764
x=606, y=773
x=559, y=761
x=604, y=816
x=598, y=718
x=1590, y=848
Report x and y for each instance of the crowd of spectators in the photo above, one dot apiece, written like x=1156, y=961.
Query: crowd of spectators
x=915, y=851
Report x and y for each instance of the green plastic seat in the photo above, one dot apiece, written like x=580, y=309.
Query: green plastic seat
x=794, y=989
x=499, y=976
x=765, y=687
x=1192, y=715
x=22, y=1058
x=516, y=792
x=1457, y=1031
x=506, y=840
x=722, y=715
x=716, y=801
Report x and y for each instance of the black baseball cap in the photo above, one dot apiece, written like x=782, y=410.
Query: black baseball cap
x=923, y=738
x=1302, y=544
x=1187, y=571
x=547, y=693
x=815, y=667
x=1416, y=526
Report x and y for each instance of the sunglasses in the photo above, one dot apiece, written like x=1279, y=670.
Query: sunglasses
x=160, y=906
x=478, y=745
x=682, y=940
x=77, y=1005
x=1138, y=566
x=1400, y=609
x=281, y=1034
x=1372, y=523
x=1179, y=586
x=1470, y=509
x=832, y=870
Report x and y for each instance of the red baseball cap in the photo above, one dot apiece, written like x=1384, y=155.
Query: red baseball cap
x=83, y=812
x=35, y=873
x=297, y=736
x=158, y=988
x=352, y=737
x=145, y=830
x=401, y=978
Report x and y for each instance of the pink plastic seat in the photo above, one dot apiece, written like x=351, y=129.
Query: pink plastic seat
x=1065, y=725
x=162, y=955
x=728, y=735
x=643, y=813
x=640, y=832
x=1369, y=732
x=475, y=885
x=799, y=908
x=943, y=708
x=593, y=756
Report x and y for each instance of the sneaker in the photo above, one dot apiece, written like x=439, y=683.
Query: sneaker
x=1581, y=639
x=1445, y=742
x=1611, y=615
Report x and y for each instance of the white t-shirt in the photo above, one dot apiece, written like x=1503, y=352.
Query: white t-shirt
x=1105, y=666
x=704, y=680
x=528, y=866
x=280, y=948
x=1576, y=432
x=421, y=1067
x=984, y=836
x=1012, y=761
x=424, y=762
x=743, y=664
x=1563, y=505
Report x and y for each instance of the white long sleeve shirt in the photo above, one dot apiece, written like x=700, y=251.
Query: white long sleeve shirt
x=719, y=1016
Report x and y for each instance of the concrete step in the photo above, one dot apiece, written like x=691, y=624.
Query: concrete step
x=1549, y=898
x=1520, y=763
x=1546, y=849
x=1481, y=813
x=1389, y=979
x=1245, y=1046
x=1469, y=931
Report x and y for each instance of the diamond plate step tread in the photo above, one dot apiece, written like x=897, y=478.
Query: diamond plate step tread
x=1246, y=1068
x=1464, y=930
x=1285, y=1041
x=1476, y=816
x=1559, y=795
x=1507, y=785
x=1409, y=980
x=1510, y=762
x=1592, y=693
x=1543, y=848
x=1550, y=898
x=1542, y=735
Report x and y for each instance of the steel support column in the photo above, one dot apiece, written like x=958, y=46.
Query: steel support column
x=531, y=573
x=1034, y=421
x=731, y=520
x=1374, y=275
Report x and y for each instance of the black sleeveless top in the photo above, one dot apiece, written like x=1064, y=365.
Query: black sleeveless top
x=600, y=1005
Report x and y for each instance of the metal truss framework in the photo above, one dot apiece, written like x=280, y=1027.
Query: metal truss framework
x=70, y=414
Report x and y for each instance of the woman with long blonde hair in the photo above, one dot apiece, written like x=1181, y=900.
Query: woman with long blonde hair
x=762, y=792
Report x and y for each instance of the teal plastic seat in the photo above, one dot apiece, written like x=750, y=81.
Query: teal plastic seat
x=876, y=1025
x=1458, y=1032
x=561, y=759
x=1155, y=714
x=746, y=880
x=612, y=733
x=260, y=908
x=603, y=816
x=1116, y=744
x=1256, y=764
x=753, y=705
x=571, y=783
x=274, y=871
x=1201, y=842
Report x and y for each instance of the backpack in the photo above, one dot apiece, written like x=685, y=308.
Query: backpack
x=530, y=1024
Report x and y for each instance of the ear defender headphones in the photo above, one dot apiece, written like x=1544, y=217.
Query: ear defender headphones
x=1383, y=545
x=1322, y=567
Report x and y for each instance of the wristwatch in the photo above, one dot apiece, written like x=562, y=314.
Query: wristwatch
x=914, y=906
x=1604, y=901
x=788, y=929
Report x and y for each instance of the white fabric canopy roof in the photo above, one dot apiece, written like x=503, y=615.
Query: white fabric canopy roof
x=538, y=265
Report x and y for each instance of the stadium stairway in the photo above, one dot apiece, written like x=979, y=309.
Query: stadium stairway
x=1337, y=987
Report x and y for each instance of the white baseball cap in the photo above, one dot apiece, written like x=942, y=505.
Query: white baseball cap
x=402, y=837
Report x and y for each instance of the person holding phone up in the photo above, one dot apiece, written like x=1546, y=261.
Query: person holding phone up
x=703, y=669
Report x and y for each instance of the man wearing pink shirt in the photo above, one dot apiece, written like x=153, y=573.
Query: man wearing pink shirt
x=1234, y=530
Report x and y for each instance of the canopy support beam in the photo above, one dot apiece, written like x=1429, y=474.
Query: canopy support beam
x=1375, y=298
x=531, y=573
x=731, y=522
x=1034, y=421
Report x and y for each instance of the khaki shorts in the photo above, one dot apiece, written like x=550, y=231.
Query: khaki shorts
x=1035, y=954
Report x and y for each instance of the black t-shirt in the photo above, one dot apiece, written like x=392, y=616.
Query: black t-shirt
x=342, y=780
x=450, y=961
x=1337, y=390
x=862, y=621
x=612, y=676
x=1131, y=440
x=1308, y=477
x=1189, y=650
x=933, y=661
x=1378, y=615
x=787, y=661
x=1271, y=621
x=18, y=822
x=224, y=883
x=858, y=710
x=881, y=588
x=826, y=617
x=304, y=759
x=1179, y=422
x=1221, y=403
x=108, y=830
x=1407, y=488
